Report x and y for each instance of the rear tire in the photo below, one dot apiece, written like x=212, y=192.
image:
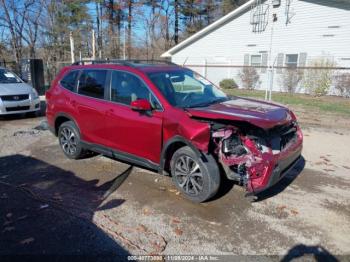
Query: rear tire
x=197, y=178
x=69, y=140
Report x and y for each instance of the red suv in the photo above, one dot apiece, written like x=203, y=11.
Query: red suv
x=167, y=118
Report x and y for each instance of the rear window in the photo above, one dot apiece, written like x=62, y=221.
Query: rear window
x=69, y=81
x=92, y=83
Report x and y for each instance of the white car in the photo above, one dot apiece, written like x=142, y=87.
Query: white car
x=16, y=96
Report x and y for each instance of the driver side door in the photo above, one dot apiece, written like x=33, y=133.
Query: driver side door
x=133, y=132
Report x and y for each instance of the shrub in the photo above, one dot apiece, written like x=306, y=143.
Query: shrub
x=228, y=83
x=249, y=77
x=290, y=79
x=342, y=84
x=318, y=81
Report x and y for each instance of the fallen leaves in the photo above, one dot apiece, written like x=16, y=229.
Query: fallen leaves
x=142, y=228
x=4, y=196
x=8, y=229
x=146, y=211
x=283, y=211
x=294, y=212
x=57, y=197
x=43, y=206
x=178, y=231
x=175, y=221
x=27, y=241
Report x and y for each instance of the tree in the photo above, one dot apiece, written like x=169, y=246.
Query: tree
x=176, y=27
x=13, y=16
x=249, y=77
x=290, y=79
x=228, y=6
x=318, y=78
x=130, y=4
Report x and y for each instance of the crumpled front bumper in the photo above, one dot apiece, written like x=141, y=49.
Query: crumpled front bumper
x=276, y=166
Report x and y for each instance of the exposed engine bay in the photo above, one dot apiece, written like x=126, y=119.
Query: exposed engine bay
x=254, y=157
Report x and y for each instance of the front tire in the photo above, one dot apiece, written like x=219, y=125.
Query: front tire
x=69, y=140
x=196, y=177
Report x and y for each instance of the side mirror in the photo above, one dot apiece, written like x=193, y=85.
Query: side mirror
x=141, y=105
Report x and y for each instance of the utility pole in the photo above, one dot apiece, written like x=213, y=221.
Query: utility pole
x=93, y=45
x=71, y=39
x=269, y=87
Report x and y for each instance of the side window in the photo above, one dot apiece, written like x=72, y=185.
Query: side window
x=92, y=83
x=69, y=81
x=126, y=88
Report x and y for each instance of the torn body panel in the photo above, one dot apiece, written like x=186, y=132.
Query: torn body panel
x=257, y=162
x=193, y=131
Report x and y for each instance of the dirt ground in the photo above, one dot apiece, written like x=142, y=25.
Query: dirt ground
x=52, y=205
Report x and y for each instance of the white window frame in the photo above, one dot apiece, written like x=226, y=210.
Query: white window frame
x=289, y=64
x=255, y=64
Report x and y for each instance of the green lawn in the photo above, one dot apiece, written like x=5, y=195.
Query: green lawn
x=331, y=104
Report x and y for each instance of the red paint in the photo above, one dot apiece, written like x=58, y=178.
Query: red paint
x=127, y=129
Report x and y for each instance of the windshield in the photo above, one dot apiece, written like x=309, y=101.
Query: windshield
x=7, y=77
x=185, y=88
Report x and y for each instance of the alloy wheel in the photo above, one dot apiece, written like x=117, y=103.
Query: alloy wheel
x=68, y=141
x=188, y=175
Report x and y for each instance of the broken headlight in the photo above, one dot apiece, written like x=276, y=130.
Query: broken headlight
x=233, y=145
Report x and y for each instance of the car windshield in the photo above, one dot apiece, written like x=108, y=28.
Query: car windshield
x=7, y=77
x=185, y=88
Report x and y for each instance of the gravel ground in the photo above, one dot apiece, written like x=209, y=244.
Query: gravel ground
x=52, y=205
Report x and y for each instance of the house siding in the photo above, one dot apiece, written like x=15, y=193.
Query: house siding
x=317, y=28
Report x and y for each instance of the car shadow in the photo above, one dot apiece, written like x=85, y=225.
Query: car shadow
x=309, y=253
x=284, y=182
x=46, y=210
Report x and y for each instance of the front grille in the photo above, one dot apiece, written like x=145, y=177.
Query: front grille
x=286, y=138
x=17, y=108
x=280, y=136
x=14, y=97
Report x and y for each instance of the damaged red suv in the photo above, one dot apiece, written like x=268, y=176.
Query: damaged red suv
x=167, y=118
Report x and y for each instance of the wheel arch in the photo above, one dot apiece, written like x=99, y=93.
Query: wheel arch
x=61, y=118
x=170, y=147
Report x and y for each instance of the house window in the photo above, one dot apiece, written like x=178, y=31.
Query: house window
x=292, y=60
x=255, y=60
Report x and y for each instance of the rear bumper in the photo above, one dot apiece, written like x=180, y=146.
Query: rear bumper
x=19, y=107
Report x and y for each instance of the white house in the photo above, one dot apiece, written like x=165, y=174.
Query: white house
x=277, y=33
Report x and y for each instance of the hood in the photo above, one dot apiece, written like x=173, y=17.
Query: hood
x=259, y=113
x=15, y=89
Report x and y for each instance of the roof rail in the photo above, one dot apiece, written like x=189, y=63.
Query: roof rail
x=129, y=62
x=107, y=61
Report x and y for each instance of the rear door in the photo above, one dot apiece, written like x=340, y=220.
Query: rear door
x=91, y=104
x=133, y=132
